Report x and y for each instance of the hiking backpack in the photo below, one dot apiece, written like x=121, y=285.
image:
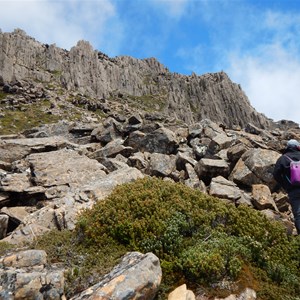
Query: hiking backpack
x=294, y=172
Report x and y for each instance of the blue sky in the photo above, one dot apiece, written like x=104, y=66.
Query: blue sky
x=257, y=43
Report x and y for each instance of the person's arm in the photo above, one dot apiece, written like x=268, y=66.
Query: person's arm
x=278, y=172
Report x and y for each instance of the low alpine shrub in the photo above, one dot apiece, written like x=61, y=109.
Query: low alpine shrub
x=200, y=240
x=195, y=235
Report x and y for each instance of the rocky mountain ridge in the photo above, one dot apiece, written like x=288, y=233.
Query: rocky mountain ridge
x=93, y=134
x=126, y=79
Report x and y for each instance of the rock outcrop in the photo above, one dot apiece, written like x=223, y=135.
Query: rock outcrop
x=131, y=82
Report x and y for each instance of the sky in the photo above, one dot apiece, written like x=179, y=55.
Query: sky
x=257, y=43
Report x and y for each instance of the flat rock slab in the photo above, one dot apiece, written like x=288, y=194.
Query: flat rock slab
x=64, y=167
x=99, y=189
x=15, y=149
x=15, y=183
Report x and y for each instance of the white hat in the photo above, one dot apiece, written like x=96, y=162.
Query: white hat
x=293, y=143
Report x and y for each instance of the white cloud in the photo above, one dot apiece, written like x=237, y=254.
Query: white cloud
x=270, y=73
x=272, y=85
x=173, y=8
x=269, y=76
x=60, y=22
x=259, y=50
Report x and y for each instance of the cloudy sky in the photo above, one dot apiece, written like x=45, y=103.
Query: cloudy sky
x=256, y=42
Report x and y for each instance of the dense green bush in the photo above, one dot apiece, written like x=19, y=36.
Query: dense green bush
x=215, y=258
x=199, y=239
x=148, y=211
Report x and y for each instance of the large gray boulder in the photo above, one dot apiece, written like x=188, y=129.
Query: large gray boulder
x=106, y=132
x=112, y=149
x=255, y=166
x=15, y=182
x=262, y=198
x=99, y=189
x=161, y=140
x=236, y=151
x=63, y=211
x=219, y=142
x=222, y=188
x=161, y=165
x=27, y=258
x=138, y=276
x=208, y=168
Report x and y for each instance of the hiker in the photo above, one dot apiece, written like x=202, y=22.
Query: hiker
x=281, y=174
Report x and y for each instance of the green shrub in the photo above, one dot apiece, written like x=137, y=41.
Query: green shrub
x=15, y=121
x=195, y=235
x=215, y=258
x=200, y=240
x=152, y=215
x=149, y=103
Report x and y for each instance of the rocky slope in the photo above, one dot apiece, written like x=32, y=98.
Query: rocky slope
x=110, y=124
x=132, y=82
x=50, y=173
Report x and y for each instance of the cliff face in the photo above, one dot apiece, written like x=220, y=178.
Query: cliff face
x=94, y=74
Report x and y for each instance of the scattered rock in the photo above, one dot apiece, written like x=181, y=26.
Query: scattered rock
x=181, y=293
x=138, y=276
